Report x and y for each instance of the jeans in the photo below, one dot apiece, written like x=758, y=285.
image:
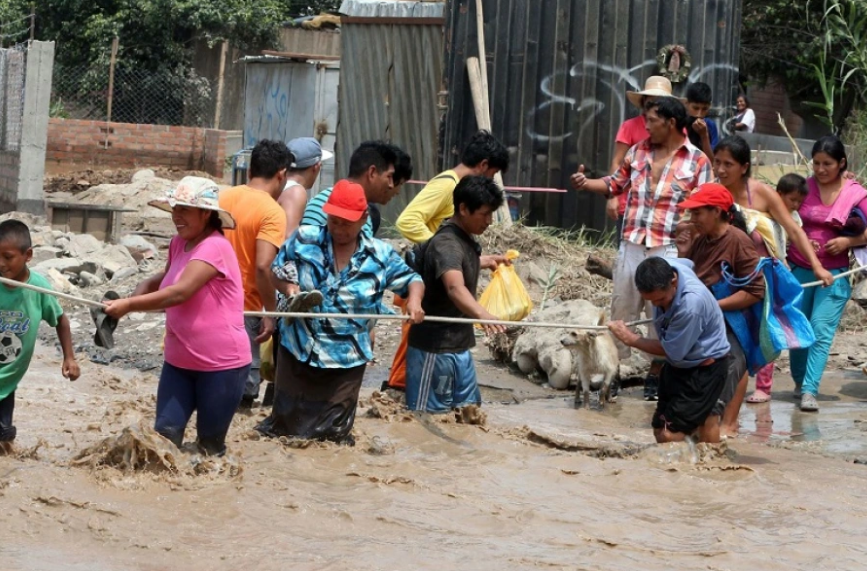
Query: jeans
x=824, y=307
x=214, y=395
x=251, y=386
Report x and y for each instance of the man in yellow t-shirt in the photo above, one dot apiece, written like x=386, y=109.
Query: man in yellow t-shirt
x=484, y=155
x=260, y=230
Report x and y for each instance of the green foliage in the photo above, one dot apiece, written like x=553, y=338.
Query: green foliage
x=154, y=33
x=816, y=47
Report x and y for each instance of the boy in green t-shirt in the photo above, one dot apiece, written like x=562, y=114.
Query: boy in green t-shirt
x=21, y=310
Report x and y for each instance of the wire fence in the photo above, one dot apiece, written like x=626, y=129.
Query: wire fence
x=163, y=97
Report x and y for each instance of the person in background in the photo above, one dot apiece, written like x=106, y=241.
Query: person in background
x=829, y=203
x=792, y=189
x=631, y=132
x=691, y=335
x=702, y=130
x=719, y=238
x=321, y=361
x=207, y=349
x=440, y=372
x=402, y=173
x=21, y=312
x=745, y=118
x=259, y=230
x=373, y=165
x=485, y=156
x=657, y=174
x=307, y=158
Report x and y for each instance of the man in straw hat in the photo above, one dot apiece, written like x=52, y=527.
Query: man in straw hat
x=631, y=132
x=207, y=352
x=656, y=174
x=321, y=361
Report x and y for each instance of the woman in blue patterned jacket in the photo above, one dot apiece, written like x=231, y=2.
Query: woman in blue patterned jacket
x=321, y=361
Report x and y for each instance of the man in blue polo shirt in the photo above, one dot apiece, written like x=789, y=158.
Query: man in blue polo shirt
x=381, y=169
x=692, y=337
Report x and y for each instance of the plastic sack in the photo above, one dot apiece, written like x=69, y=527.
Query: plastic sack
x=774, y=325
x=266, y=358
x=506, y=297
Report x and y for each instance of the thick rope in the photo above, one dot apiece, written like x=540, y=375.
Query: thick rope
x=66, y=296
x=431, y=318
x=438, y=319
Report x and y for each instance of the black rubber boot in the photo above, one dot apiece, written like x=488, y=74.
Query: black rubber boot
x=214, y=446
x=176, y=436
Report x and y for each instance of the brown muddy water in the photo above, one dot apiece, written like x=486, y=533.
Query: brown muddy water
x=542, y=486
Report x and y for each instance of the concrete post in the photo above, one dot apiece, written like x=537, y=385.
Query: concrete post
x=34, y=128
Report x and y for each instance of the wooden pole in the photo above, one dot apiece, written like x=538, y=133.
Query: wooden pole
x=504, y=215
x=483, y=58
x=220, y=82
x=32, y=21
x=111, y=64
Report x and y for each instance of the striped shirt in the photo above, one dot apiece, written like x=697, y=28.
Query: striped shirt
x=373, y=268
x=651, y=212
x=315, y=216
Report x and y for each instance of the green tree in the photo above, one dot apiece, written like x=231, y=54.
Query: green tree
x=814, y=47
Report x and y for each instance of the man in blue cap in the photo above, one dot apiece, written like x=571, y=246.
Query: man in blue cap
x=307, y=162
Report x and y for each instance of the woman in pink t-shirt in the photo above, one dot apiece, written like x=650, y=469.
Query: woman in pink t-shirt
x=207, y=352
x=829, y=203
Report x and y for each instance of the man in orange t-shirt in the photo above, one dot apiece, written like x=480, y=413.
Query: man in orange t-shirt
x=260, y=230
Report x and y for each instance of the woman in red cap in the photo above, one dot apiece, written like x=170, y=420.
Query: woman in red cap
x=716, y=242
x=321, y=361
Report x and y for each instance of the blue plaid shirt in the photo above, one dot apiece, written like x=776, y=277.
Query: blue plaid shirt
x=373, y=268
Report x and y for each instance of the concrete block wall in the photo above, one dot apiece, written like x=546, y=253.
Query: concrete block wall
x=9, y=171
x=132, y=145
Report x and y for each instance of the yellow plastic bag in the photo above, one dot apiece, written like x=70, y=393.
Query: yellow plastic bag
x=266, y=358
x=506, y=297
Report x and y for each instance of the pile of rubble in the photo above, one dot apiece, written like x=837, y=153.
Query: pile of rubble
x=73, y=261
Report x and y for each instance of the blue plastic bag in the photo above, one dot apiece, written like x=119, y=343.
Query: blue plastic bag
x=773, y=325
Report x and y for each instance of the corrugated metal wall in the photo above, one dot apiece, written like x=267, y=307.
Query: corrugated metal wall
x=390, y=77
x=285, y=99
x=558, y=72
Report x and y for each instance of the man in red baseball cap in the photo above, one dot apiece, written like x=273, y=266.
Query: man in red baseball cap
x=321, y=361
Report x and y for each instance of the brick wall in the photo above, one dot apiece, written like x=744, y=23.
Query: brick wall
x=766, y=103
x=132, y=145
x=10, y=163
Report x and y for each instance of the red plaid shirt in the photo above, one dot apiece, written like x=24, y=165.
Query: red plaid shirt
x=651, y=213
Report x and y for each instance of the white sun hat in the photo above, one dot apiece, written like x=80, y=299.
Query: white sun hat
x=195, y=192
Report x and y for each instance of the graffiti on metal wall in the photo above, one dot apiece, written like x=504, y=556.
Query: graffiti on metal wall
x=272, y=112
x=278, y=100
x=621, y=79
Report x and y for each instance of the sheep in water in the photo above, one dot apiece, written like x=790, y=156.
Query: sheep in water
x=596, y=361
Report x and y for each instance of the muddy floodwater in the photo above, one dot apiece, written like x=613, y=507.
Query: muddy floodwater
x=541, y=486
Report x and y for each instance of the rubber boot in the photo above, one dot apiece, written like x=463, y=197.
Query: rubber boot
x=212, y=446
